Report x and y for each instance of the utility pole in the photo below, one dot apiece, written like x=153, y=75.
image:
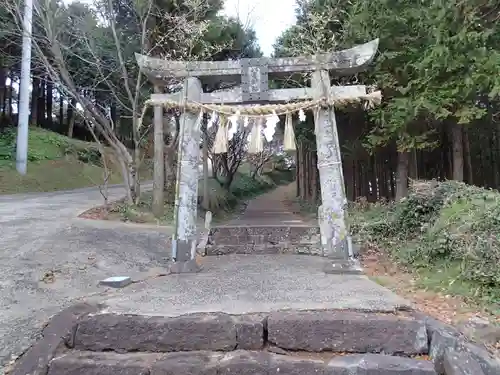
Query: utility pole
x=24, y=91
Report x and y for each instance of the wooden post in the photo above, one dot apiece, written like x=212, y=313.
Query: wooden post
x=159, y=160
x=186, y=194
x=334, y=236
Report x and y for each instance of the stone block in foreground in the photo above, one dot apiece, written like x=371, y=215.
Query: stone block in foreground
x=56, y=336
x=351, y=332
x=187, y=363
x=87, y=363
x=377, y=364
x=446, y=338
x=126, y=333
x=237, y=362
x=456, y=363
x=250, y=331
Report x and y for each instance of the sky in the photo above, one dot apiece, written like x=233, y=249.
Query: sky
x=269, y=18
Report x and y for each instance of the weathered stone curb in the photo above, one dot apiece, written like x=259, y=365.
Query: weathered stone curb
x=238, y=362
x=56, y=337
x=350, y=332
x=186, y=338
x=126, y=333
x=308, y=331
x=361, y=364
x=444, y=337
x=460, y=364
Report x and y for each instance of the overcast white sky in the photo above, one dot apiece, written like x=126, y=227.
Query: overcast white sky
x=268, y=17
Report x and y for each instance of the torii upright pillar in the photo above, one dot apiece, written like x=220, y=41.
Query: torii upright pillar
x=331, y=214
x=184, y=239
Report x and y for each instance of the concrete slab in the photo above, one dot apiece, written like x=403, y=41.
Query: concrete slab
x=116, y=281
x=239, y=284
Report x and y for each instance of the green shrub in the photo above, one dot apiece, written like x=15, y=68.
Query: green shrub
x=245, y=186
x=448, y=223
x=88, y=155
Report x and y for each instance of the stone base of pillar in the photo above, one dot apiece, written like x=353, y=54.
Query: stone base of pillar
x=190, y=266
x=343, y=267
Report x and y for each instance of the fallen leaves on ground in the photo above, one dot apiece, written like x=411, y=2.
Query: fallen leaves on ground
x=448, y=309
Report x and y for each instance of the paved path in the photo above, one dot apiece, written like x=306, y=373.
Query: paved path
x=40, y=233
x=239, y=284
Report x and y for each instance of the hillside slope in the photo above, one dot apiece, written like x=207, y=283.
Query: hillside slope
x=55, y=162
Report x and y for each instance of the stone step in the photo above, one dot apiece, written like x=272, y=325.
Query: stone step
x=233, y=363
x=265, y=249
x=264, y=234
x=336, y=331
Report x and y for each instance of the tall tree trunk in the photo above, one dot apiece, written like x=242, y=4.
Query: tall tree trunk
x=305, y=185
x=3, y=89
x=41, y=104
x=159, y=161
x=392, y=173
x=170, y=172
x=61, y=112
x=366, y=175
x=303, y=167
x=498, y=146
x=71, y=117
x=468, y=156
x=373, y=178
x=382, y=169
x=11, y=94
x=297, y=171
x=349, y=182
x=402, y=176
x=114, y=115
x=35, y=94
x=458, y=152
x=359, y=180
x=495, y=175
x=413, y=165
x=49, y=102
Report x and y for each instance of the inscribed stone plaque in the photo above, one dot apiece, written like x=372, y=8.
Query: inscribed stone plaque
x=254, y=80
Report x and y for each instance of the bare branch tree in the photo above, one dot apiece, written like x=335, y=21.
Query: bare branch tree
x=110, y=75
x=225, y=166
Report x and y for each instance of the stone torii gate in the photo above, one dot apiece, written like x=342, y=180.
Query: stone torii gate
x=252, y=76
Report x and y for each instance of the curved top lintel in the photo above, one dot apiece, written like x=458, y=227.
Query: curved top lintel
x=342, y=62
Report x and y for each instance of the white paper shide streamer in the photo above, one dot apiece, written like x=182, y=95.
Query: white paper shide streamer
x=271, y=123
x=233, y=125
x=302, y=116
x=221, y=137
x=256, y=142
x=289, y=137
x=213, y=119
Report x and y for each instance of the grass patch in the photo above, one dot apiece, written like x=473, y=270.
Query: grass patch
x=221, y=202
x=55, y=162
x=447, y=234
x=52, y=175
